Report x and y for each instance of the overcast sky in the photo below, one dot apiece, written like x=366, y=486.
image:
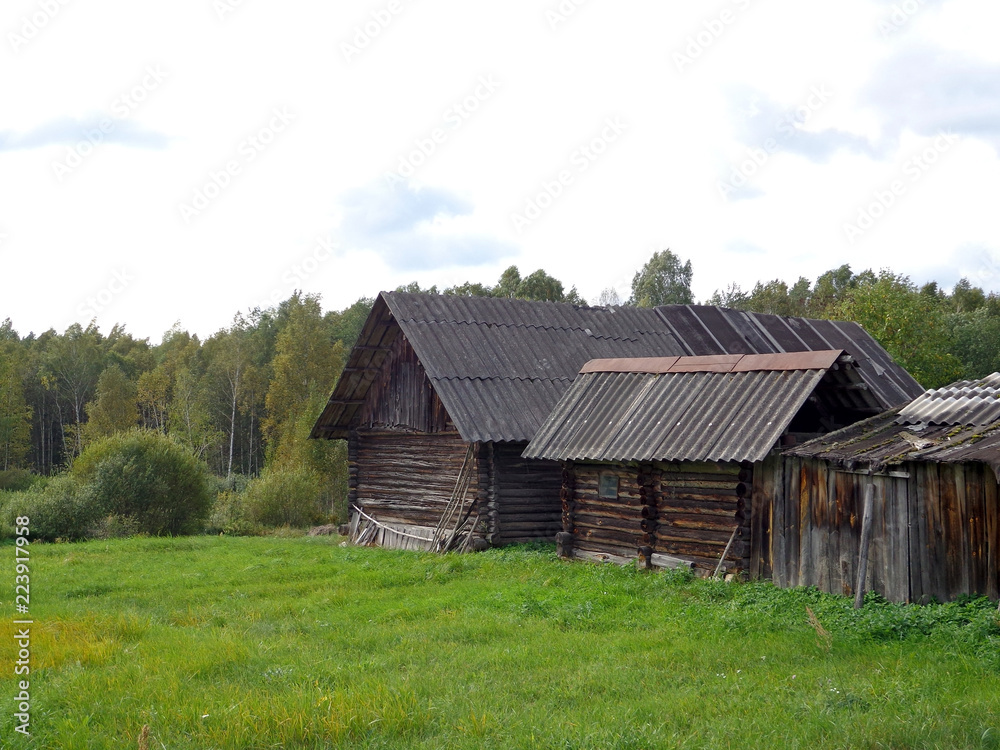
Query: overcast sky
x=183, y=161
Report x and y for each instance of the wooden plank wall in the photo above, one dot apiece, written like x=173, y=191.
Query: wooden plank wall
x=700, y=504
x=955, y=534
x=766, y=480
x=408, y=478
x=526, y=496
x=935, y=530
x=401, y=395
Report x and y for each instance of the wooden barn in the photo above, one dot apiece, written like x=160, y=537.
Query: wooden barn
x=439, y=398
x=934, y=519
x=671, y=458
x=441, y=395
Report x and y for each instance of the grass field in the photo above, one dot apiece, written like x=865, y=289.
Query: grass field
x=301, y=643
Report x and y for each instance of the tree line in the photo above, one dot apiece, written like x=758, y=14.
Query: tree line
x=245, y=398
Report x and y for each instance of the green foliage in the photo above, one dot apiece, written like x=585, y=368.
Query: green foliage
x=541, y=287
x=147, y=476
x=664, y=280
x=974, y=339
x=910, y=325
x=115, y=408
x=285, y=497
x=345, y=326
x=60, y=509
x=230, y=515
x=15, y=414
x=306, y=365
x=18, y=480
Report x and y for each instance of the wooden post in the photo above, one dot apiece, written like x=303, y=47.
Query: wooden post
x=866, y=539
x=564, y=544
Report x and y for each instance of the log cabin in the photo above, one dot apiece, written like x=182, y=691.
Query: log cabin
x=672, y=459
x=441, y=395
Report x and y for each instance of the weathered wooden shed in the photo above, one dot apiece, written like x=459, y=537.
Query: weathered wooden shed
x=935, y=533
x=670, y=457
x=436, y=383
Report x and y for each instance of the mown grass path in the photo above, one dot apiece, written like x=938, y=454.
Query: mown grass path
x=301, y=643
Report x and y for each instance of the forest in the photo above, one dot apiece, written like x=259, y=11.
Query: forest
x=244, y=399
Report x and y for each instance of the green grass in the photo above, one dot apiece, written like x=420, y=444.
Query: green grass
x=301, y=643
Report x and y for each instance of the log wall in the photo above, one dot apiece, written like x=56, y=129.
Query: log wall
x=684, y=510
x=700, y=506
x=404, y=478
x=525, y=496
x=605, y=526
x=935, y=530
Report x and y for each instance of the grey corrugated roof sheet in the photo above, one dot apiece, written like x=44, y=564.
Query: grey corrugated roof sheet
x=691, y=410
x=501, y=365
x=967, y=402
x=955, y=424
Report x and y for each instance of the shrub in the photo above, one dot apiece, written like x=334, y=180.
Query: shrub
x=230, y=516
x=285, y=497
x=148, y=477
x=59, y=509
x=18, y=480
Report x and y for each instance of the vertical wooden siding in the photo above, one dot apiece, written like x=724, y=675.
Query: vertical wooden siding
x=401, y=395
x=935, y=532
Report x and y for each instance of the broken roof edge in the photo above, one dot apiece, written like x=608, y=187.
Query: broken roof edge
x=721, y=363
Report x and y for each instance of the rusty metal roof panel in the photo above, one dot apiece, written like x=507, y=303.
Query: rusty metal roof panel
x=890, y=383
x=692, y=416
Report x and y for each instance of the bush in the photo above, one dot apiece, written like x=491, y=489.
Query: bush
x=230, y=516
x=285, y=497
x=58, y=510
x=148, y=477
x=18, y=480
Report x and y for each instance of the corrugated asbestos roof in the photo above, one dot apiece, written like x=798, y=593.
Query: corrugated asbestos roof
x=956, y=424
x=501, y=365
x=967, y=402
x=689, y=411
